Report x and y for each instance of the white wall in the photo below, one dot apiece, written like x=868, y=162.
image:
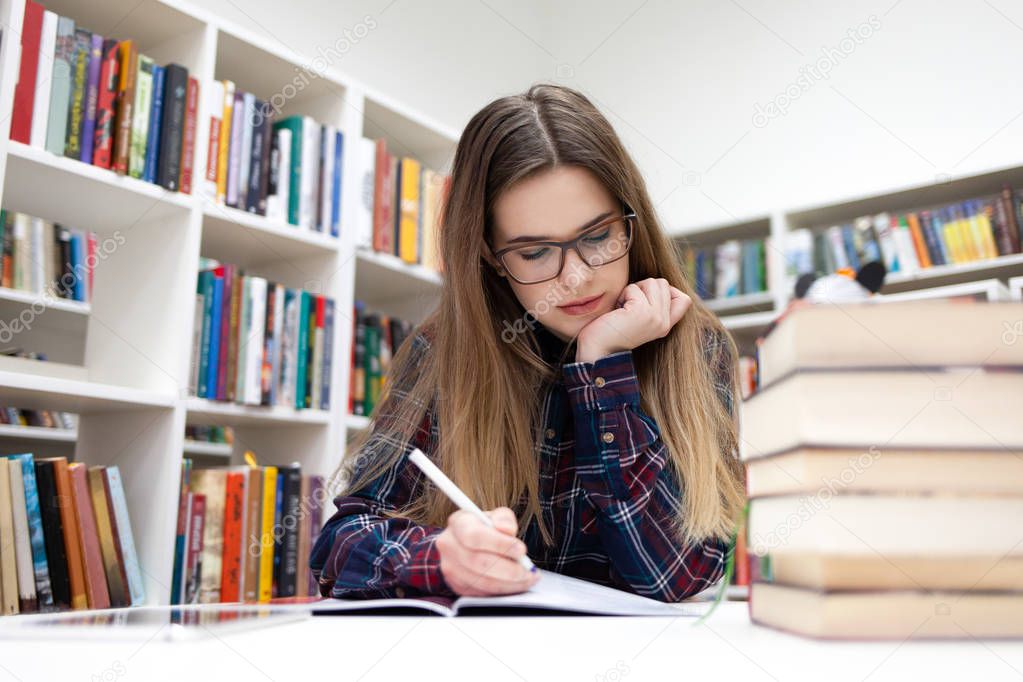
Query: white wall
x=932, y=91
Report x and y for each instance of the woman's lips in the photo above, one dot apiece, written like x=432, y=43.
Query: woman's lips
x=583, y=308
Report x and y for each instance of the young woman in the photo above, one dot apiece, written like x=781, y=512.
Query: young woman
x=568, y=382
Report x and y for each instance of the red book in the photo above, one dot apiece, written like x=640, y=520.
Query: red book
x=383, y=203
x=25, y=90
x=188, y=136
x=234, y=505
x=95, y=574
x=109, y=77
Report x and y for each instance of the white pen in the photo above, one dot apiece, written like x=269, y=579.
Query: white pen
x=461, y=500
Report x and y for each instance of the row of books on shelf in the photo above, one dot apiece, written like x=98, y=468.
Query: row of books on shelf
x=377, y=338
x=732, y=268
x=288, y=170
x=65, y=537
x=99, y=101
x=47, y=419
x=403, y=215
x=882, y=474
x=40, y=256
x=202, y=433
x=244, y=533
x=963, y=232
x=257, y=342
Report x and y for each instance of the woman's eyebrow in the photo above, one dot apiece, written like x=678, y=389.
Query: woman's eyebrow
x=591, y=223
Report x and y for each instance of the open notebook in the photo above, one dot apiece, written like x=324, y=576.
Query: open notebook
x=553, y=592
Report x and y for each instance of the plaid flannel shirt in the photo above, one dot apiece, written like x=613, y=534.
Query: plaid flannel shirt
x=605, y=493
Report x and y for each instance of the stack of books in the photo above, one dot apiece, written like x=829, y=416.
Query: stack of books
x=732, y=268
x=376, y=339
x=65, y=537
x=884, y=474
x=100, y=101
x=42, y=257
x=245, y=533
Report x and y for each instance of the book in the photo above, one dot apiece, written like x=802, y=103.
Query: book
x=9, y=593
x=554, y=592
x=28, y=71
x=878, y=334
x=27, y=600
x=117, y=579
x=890, y=614
x=37, y=541
x=938, y=409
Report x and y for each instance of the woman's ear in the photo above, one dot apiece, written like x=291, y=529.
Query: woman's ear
x=488, y=256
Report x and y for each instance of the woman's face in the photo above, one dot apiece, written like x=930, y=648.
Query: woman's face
x=554, y=205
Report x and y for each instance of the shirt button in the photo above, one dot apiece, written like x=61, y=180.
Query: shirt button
x=400, y=591
x=549, y=433
x=599, y=381
x=608, y=437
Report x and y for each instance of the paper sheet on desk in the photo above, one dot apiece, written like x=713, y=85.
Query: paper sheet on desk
x=556, y=591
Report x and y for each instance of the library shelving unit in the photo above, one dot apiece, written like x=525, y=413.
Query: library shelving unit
x=133, y=340
x=747, y=316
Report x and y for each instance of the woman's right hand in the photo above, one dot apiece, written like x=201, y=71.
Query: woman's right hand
x=480, y=561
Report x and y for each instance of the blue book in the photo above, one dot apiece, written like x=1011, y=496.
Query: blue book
x=78, y=265
x=278, y=535
x=155, y=116
x=215, y=314
x=335, y=202
x=40, y=566
x=328, y=352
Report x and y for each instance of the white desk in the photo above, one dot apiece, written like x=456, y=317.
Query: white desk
x=490, y=649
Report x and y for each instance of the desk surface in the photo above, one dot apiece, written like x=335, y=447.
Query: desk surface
x=725, y=647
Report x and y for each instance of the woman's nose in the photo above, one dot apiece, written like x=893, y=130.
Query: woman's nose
x=576, y=270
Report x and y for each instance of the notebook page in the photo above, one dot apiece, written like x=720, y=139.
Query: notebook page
x=561, y=592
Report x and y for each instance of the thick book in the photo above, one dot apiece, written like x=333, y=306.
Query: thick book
x=554, y=592
x=117, y=579
x=79, y=84
x=188, y=136
x=887, y=614
x=140, y=116
x=9, y=596
x=129, y=56
x=155, y=118
x=868, y=570
x=91, y=106
x=808, y=470
x=60, y=90
x=44, y=80
x=954, y=408
x=211, y=483
x=880, y=334
x=27, y=600
x=65, y=501
x=92, y=556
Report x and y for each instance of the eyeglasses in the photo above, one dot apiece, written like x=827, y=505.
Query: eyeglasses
x=535, y=262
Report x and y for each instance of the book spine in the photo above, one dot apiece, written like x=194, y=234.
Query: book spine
x=266, y=556
x=126, y=538
x=300, y=348
x=25, y=576
x=224, y=148
x=53, y=534
x=173, y=124
x=117, y=587
x=226, y=272
x=44, y=78
x=196, y=533
x=326, y=379
x=154, y=127
x=60, y=92
x=214, y=97
x=253, y=180
x=289, y=560
x=253, y=542
x=335, y=202
x=79, y=76
x=234, y=157
x=92, y=559
x=140, y=116
x=216, y=311
x=25, y=89
x=95, y=59
x=103, y=138
x=37, y=541
x=234, y=507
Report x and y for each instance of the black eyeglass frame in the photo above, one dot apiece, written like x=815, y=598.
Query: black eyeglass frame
x=628, y=217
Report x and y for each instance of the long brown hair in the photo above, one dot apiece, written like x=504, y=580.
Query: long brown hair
x=485, y=393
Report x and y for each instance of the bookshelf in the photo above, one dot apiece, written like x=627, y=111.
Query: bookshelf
x=746, y=316
x=134, y=338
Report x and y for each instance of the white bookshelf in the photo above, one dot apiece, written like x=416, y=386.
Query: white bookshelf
x=134, y=338
x=747, y=316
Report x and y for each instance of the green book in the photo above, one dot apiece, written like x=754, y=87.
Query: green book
x=303, y=341
x=79, y=85
x=140, y=117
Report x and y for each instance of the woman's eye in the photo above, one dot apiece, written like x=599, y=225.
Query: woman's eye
x=534, y=255
x=596, y=238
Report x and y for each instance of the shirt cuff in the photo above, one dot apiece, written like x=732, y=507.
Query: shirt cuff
x=422, y=571
x=604, y=384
